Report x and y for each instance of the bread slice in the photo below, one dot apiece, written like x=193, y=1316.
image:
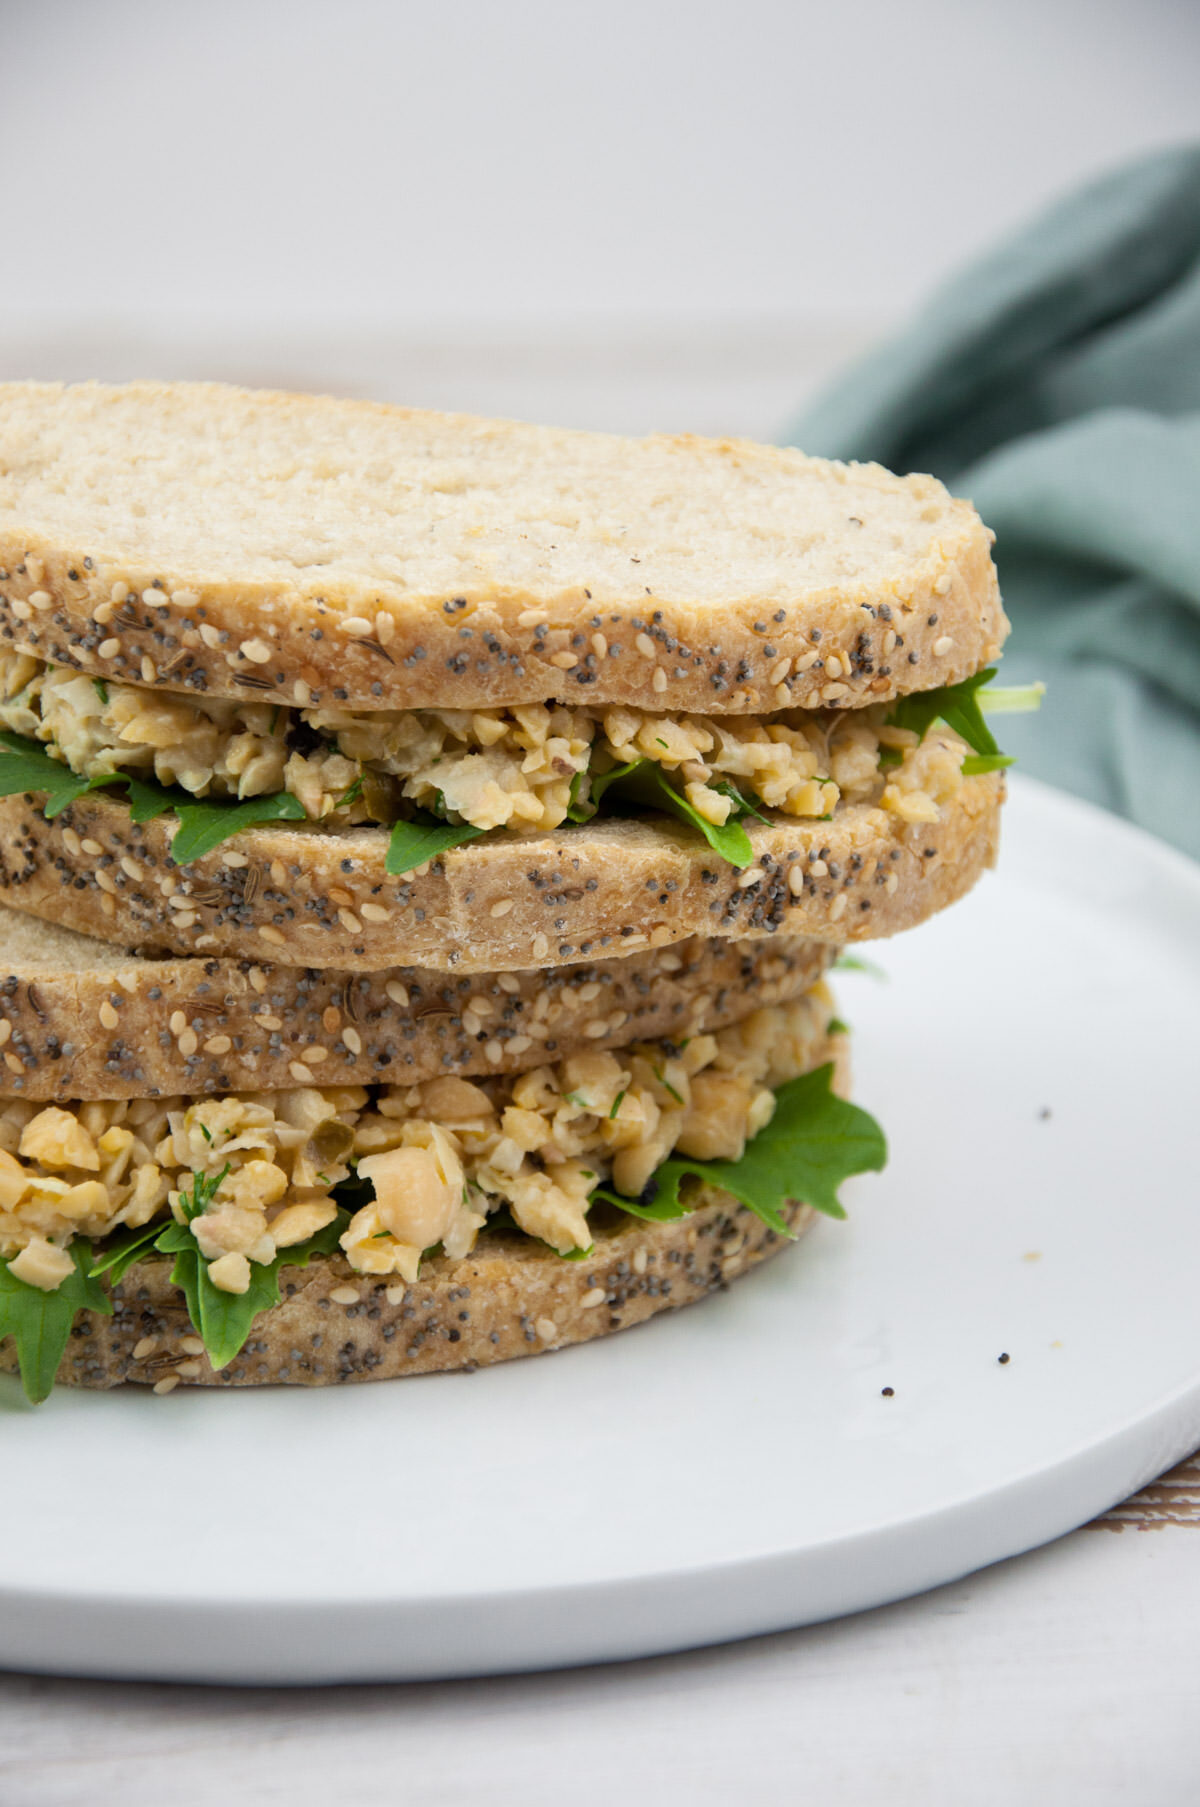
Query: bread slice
x=512, y=1297
x=315, y=898
x=79, y=1016
x=308, y=550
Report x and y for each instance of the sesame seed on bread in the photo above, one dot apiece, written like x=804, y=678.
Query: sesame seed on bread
x=81, y=1018
x=306, y=896
x=315, y=551
x=511, y=1297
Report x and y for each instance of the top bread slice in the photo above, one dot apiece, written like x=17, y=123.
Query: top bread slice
x=314, y=551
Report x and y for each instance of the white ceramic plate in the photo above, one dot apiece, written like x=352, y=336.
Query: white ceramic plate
x=735, y=1468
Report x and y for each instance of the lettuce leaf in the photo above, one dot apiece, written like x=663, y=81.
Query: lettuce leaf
x=582, y=809
x=146, y=801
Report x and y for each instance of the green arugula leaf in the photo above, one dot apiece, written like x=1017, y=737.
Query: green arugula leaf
x=101, y=689
x=26, y=766
x=1012, y=699
x=835, y=1026
x=121, y=1251
x=955, y=704
x=204, y=826
x=502, y=1219
x=813, y=1143
x=654, y=1206
x=598, y=784
x=577, y=811
x=41, y=1321
x=646, y=785
x=177, y=1240
x=146, y=801
x=223, y=1321
x=855, y=963
x=962, y=707
x=976, y=763
x=412, y=843
x=606, y=780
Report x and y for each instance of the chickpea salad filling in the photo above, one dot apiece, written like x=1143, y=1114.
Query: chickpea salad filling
x=440, y=777
x=236, y=1187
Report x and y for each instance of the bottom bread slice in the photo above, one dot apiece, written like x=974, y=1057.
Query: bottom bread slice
x=510, y=1297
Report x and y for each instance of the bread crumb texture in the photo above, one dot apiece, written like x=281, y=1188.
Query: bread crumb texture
x=329, y=552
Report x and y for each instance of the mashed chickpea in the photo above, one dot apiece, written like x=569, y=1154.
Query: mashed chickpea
x=254, y=1174
x=519, y=769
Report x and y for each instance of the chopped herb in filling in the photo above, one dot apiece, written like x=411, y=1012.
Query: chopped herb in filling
x=234, y=1188
x=432, y=772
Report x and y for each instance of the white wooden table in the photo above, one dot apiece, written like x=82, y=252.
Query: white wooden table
x=1067, y=1676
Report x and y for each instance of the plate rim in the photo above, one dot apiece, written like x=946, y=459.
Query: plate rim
x=1171, y=1422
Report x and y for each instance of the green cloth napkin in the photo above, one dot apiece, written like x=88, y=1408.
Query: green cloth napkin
x=1057, y=383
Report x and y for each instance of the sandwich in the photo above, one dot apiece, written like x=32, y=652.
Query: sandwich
x=424, y=840
x=343, y=685
x=188, y=1195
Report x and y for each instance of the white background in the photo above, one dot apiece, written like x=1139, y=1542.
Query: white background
x=499, y=203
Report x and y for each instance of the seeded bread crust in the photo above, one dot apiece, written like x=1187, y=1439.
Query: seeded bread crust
x=323, y=899
x=315, y=551
x=512, y=1297
x=81, y=1019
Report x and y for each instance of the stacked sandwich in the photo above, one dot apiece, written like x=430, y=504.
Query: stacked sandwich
x=424, y=840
